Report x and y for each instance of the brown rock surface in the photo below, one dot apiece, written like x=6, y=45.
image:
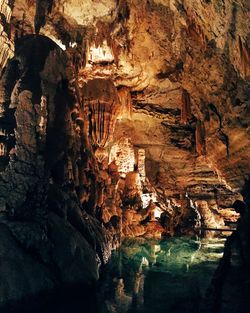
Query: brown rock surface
x=112, y=86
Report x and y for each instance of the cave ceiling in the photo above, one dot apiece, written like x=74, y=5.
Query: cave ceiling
x=184, y=65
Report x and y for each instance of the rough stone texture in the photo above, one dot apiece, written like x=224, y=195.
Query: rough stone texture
x=18, y=270
x=172, y=77
x=100, y=104
x=38, y=165
x=6, y=45
x=189, y=70
x=76, y=263
x=59, y=256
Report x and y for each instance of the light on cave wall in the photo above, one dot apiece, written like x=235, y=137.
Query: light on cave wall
x=122, y=152
x=2, y=132
x=144, y=261
x=42, y=121
x=73, y=44
x=56, y=40
x=141, y=163
x=48, y=31
x=157, y=212
x=100, y=54
x=126, y=103
x=125, y=157
x=5, y=9
x=147, y=197
x=3, y=150
x=60, y=44
x=149, y=200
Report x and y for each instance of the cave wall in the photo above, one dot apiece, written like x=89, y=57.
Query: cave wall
x=40, y=206
x=113, y=115
x=201, y=136
x=184, y=76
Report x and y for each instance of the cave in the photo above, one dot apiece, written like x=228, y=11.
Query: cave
x=125, y=156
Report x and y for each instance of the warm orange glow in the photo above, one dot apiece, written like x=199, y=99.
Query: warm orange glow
x=2, y=149
x=100, y=54
x=146, y=197
x=123, y=154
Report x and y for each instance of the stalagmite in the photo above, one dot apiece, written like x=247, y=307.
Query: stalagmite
x=133, y=185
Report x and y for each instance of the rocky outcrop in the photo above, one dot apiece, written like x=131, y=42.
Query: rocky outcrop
x=46, y=259
x=19, y=270
x=38, y=180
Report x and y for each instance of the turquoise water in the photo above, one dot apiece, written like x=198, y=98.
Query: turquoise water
x=143, y=276
x=159, y=276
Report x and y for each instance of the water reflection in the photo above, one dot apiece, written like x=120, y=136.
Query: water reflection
x=159, y=276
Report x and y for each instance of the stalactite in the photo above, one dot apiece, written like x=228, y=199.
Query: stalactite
x=213, y=108
x=103, y=33
x=200, y=137
x=244, y=54
x=123, y=10
x=185, y=107
x=126, y=102
x=225, y=140
x=196, y=33
x=101, y=103
x=43, y=7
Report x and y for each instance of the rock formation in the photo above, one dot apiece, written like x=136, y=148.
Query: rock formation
x=117, y=118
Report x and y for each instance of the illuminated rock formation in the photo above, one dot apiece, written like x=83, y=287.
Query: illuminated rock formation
x=133, y=185
x=6, y=45
x=100, y=104
x=119, y=118
x=141, y=163
x=126, y=102
x=122, y=152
